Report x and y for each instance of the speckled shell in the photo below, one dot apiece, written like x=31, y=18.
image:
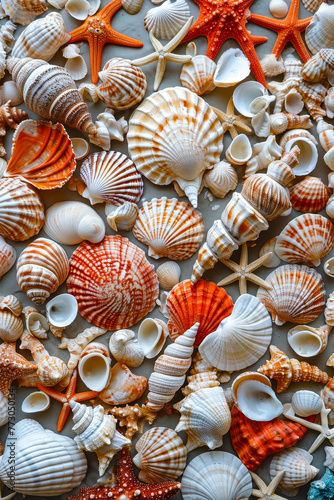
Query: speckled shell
x=170, y=228
x=297, y=295
x=169, y=275
x=111, y=177
x=320, y=32
x=7, y=256
x=23, y=11
x=41, y=268
x=121, y=266
x=124, y=85
x=25, y=217
x=319, y=66
x=221, y=179
x=310, y=195
x=166, y=20
x=197, y=74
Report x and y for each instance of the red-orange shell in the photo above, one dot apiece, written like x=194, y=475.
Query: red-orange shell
x=202, y=302
x=113, y=282
x=310, y=195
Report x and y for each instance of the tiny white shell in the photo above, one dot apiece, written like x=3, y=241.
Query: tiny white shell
x=125, y=348
x=278, y=8
x=162, y=303
x=76, y=67
x=257, y=401
x=152, y=335
x=121, y=218
x=244, y=94
x=221, y=179
x=239, y=151
x=306, y=403
x=293, y=102
x=169, y=275
x=36, y=402
x=62, y=310
x=36, y=323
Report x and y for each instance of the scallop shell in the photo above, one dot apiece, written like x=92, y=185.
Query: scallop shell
x=232, y=67
x=310, y=195
x=272, y=66
x=124, y=386
x=161, y=455
x=297, y=294
x=278, y=8
x=221, y=179
x=125, y=348
x=269, y=246
x=167, y=144
x=123, y=217
x=312, y=5
x=166, y=20
x=121, y=286
x=25, y=217
x=319, y=66
x=7, y=257
x=23, y=11
x=308, y=237
x=320, y=32
x=169, y=275
x=41, y=268
x=306, y=403
x=112, y=177
x=11, y=325
x=197, y=74
x=132, y=6
x=170, y=228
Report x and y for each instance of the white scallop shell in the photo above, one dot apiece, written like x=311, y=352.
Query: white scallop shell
x=245, y=94
x=221, y=179
x=121, y=218
x=239, y=151
x=257, y=400
x=306, y=403
x=278, y=8
x=126, y=349
x=81, y=9
x=36, y=402
x=320, y=32
x=7, y=256
x=197, y=74
x=169, y=275
x=232, y=67
x=62, y=310
x=166, y=20
x=23, y=11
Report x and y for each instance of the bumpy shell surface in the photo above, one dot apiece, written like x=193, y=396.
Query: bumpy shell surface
x=111, y=177
x=310, y=195
x=51, y=370
x=297, y=294
x=23, y=11
x=7, y=257
x=166, y=20
x=320, y=32
x=169, y=275
x=121, y=286
x=21, y=210
x=170, y=228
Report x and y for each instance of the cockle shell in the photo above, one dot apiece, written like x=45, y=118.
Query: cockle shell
x=269, y=246
x=121, y=286
x=23, y=11
x=310, y=195
x=306, y=403
x=82, y=223
x=41, y=268
x=320, y=32
x=81, y=9
x=123, y=217
x=297, y=294
x=319, y=66
x=36, y=402
x=161, y=455
x=239, y=151
x=25, y=217
x=197, y=74
x=329, y=310
x=124, y=386
x=166, y=149
x=278, y=8
x=221, y=179
x=7, y=256
x=307, y=341
x=232, y=67
x=126, y=349
x=169, y=275
x=11, y=325
x=152, y=335
x=166, y=20
x=94, y=366
x=170, y=228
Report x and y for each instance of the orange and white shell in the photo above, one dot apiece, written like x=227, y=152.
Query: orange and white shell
x=21, y=210
x=23, y=11
x=124, y=386
x=318, y=67
x=297, y=294
x=221, y=179
x=280, y=122
x=41, y=268
x=197, y=74
x=121, y=286
x=310, y=195
x=7, y=256
x=11, y=325
x=306, y=238
x=170, y=228
x=329, y=310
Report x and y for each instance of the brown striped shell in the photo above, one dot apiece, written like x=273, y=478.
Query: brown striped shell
x=310, y=195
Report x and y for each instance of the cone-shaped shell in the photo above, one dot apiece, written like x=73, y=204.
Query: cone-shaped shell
x=203, y=302
x=170, y=228
x=297, y=294
x=121, y=286
x=310, y=195
x=23, y=11
x=7, y=256
x=124, y=386
x=166, y=20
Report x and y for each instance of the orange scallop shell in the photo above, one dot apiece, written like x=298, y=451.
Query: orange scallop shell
x=202, y=302
x=42, y=154
x=310, y=195
x=113, y=282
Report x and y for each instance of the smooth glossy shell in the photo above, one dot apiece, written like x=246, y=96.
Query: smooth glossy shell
x=245, y=94
x=152, y=335
x=94, y=370
x=310, y=195
x=36, y=402
x=257, y=401
x=166, y=20
x=232, y=67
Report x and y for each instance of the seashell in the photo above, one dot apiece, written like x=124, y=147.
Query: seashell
x=111, y=177
x=76, y=66
x=169, y=275
x=232, y=67
x=94, y=366
x=7, y=36
x=239, y=151
x=36, y=323
x=293, y=102
x=152, y=335
x=278, y=8
x=197, y=74
x=50, y=92
x=42, y=38
x=329, y=457
x=10, y=92
x=307, y=341
x=7, y=256
x=310, y=195
x=297, y=294
x=42, y=457
x=116, y=268
x=241, y=339
x=23, y=11
x=329, y=267
x=80, y=147
x=221, y=179
x=132, y=6
x=245, y=94
x=261, y=103
x=263, y=154
x=82, y=223
x=41, y=268
x=162, y=303
x=108, y=128
x=272, y=66
x=62, y=310
x=269, y=246
x=161, y=455
x=242, y=221
x=280, y=122
x=306, y=403
x=312, y=5
x=124, y=85
x=329, y=102
x=166, y=20
x=88, y=92
x=322, y=488
x=319, y=33
x=12, y=304
x=11, y=325
x=186, y=149
x=126, y=349
x=296, y=462
x=169, y=228
x=81, y=9
x=319, y=66
x=121, y=217
x=3, y=409
x=329, y=310
x=42, y=155
x=261, y=123
x=308, y=156
x=124, y=386
x=26, y=216
x=216, y=473
x=35, y=402
x=330, y=204
x=202, y=302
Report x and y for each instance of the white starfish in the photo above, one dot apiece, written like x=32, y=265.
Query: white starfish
x=267, y=492
x=163, y=54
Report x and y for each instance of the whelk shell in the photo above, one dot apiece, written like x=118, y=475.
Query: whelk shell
x=7, y=256
x=166, y=20
x=310, y=195
x=232, y=67
x=169, y=275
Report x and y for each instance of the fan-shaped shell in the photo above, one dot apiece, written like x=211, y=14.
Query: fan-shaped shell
x=21, y=210
x=120, y=288
x=170, y=228
x=308, y=238
x=175, y=136
x=320, y=32
x=166, y=20
x=112, y=177
x=197, y=74
x=42, y=155
x=310, y=195
x=7, y=257
x=169, y=275
x=306, y=403
x=297, y=294
x=221, y=179
x=23, y=11
x=202, y=302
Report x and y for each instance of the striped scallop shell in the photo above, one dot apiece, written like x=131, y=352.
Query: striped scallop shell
x=124, y=85
x=307, y=238
x=197, y=74
x=161, y=455
x=319, y=66
x=170, y=228
x=111, y=177
x=312, y=5
x=221, y=179
x=310, y=195
x=21, y=210
x=166, y=20
x=320, y=32
x=23, y=11
x=121, y=286
x=7, y=256
x=297, y=294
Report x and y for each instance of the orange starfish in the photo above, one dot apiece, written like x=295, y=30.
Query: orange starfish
x=96, y=30
x=12, y=366
x=288, y=29
x=220, y=20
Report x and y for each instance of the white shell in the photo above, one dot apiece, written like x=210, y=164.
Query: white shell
x=278, y=8
x=308, y=156
x=80, y=147
x=261, y=122
x=152, y=335
x=11, y=325
x=162, y=303
x=257, y=400
x=269, y=246
x=126, y=349
x=166, y=20
x=23, y=11
x=263, y=154
x=81, y=9
x=329, y=264
x=197, y=74
x=293, y=134
x=62, y=310
x=36, y=402
x=239, y=151
x=132, y=6
x=329, y=450
x=245, y=94
x=330, y=203
x=169, y=275
x=216, y=475
x=76, y=67
x=232, y=67
x=94, y=370
x=306, y=341
x=293, y=102
x=10, y=92
x=108, y=129
x=272, y=66
x=306, y=403
x=121, y=218
x=3, y=409
x=7, y=256
x=320, y=32
x=36, y=323
x=221, y=179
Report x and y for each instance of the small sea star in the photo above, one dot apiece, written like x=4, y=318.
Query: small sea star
x=243, y=271
x=267, y=492
x=12, y=366
x=288, y=30
x=230, y=121
x=96, y=30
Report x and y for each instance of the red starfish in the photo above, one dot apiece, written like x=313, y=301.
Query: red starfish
x=220, y=20
x=288, y=30
x=127, y=485
x=96, y=30
x=70, y=395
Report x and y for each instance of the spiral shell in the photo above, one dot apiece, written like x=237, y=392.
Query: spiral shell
x=23, y=11
x=125, y=348
x=123, y=217
x=280, y=122
x=123, y=386
x=7, y=256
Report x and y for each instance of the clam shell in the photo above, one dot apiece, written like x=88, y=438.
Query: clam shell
x=232, y=67
x=7, y=256
x=166, y=20
x=320, y=32
x=239, y=151
x=169, y=275
x=257, y=400
x=310, y=195
x=221, y=179
x=81, y=9
x=306, y=403
x=94, y=370
x=152, y=335
x=124, y=386
x=197, y=74
x=245, y=94
x=307, y=341
x=278, y=8
x=125, y=348
x=62, y=310
x=23, y=11
x=269, y=246
x=123, y=217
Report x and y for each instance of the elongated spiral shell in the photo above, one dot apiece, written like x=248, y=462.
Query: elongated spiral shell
x=310, y=195
x=23, y=11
